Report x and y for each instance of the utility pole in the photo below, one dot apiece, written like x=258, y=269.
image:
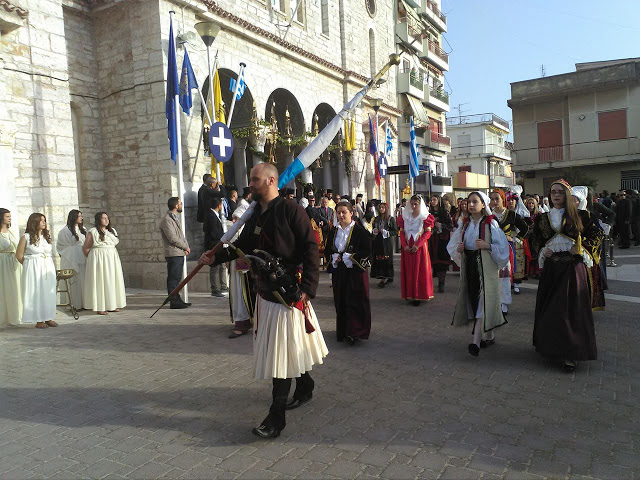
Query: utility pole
x=543, y=71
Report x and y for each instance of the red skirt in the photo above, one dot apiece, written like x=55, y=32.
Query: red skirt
x=416, y=274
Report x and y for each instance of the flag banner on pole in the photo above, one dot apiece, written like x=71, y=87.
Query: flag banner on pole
x=217, y=99
x=352, y=132
x=187, y=83
x=322, y=141
x=241, y=87
x=373, y=148
x=414, y=169
x=172, y=91
x=389, y=145
x=347, y=137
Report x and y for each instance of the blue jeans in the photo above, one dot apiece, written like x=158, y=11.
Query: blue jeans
x=174, y=276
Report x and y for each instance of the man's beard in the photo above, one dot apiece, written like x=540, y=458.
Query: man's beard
x=256, y=196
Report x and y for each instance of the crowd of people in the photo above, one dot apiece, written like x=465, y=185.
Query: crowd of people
x=29, y=278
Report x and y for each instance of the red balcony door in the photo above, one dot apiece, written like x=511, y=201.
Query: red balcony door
x=550, y=141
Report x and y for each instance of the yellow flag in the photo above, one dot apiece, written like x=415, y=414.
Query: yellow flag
x=352, y=132
x=220, y=117
x=347, y=137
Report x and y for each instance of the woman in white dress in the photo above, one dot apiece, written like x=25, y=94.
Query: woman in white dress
x=38, y=273
x=69, y=245
x=104, y=283
x=10, y=273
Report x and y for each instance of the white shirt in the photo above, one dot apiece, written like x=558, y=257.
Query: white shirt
x=499, y=243
x=342, y=236
x=559, y=242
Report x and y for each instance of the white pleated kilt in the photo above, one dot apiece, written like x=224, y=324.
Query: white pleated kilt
x=281, y=346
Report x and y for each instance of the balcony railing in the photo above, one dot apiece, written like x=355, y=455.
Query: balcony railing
x=414, y=26
x=437, y=51
x=441, y=139
x=550, y=154
x=439, y=94
x=478, y=118
x=415, y=79
x=434, y=8
x=442, y=181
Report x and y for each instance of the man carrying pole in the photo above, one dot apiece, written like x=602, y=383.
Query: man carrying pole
x=288, y=341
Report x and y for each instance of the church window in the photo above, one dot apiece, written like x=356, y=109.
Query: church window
x=324, y=13
x=371, y=7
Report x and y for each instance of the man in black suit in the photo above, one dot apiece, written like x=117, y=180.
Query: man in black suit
x=213, y=231
x=325, y=214
x=623, y=219
x=202, y=199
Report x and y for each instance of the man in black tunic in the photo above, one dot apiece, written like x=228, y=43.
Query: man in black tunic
x=287, y=340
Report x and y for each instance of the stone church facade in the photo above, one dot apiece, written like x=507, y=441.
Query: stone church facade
x=82, y=103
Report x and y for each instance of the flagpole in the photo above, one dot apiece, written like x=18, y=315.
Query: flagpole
x=212, y=118
x=378, y=148
x=235, y=93
x=176, y=100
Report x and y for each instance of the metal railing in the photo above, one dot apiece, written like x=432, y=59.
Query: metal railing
x=415, y=79
x=434, y=8
x=441, y=181
x=440, y=94
x=441, y=139
x=550, y=154
x=437, y=51
x=477, y=118
x=414, y=27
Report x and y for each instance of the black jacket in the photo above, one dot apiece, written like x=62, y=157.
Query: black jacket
x=358, y=245
x=213, y=230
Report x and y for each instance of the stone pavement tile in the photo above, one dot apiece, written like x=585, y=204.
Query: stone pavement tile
x=430, y=461
x=513, y=452
x=9, y=449
x=516, y=475
x=612, y=472
x=405, y=447
x=254, y=473
x=488, y=464
x=92, y=455
x=272, y=452
x=431, y=436
x=18, y=473
x=376, y=457
x=186, y=460
x=344, y=469
x=134, y=459
x=396, y=470
x=290, y=466
x=626, y=458
x=457, y=449
x=49, y=468
x=320, y=453
x=459, y=473
x=237, y=463
x=101, y=469
x=17, y=460
x=150, y=470
x=207, y=473
x=52, y=451
x=127, y=445
x=536, y=442
x=549, y=468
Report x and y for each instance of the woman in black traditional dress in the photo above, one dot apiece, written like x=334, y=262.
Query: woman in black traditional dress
x=567, y=240
x=347, y=251
x=384, y=231
x=440, y=259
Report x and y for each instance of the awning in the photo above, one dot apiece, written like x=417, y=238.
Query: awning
x=409, y=6
x=419, y=113
x=404, y=169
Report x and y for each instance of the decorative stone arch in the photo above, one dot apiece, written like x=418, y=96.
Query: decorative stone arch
x=285, y=101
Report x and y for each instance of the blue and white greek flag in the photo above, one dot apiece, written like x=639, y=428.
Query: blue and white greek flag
x=389, y=145
x=414, y=169
x=232, y=86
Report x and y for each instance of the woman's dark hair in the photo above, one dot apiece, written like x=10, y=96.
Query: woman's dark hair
x=72, y=218
x=32, y=229
x=415, y=198
x=3, y=211
x=590, y=194
x=101, y=232
x=438, y=208
x=385, y=216
x=571, y=214
x=346, y=205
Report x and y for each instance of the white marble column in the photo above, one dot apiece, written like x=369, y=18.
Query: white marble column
x=343, y=184
x=240, y=162
x=7, y=192
x=326, y=172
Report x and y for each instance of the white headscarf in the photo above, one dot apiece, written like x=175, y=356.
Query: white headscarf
x=413, y=225
x=521, y=209
x=581, y=193
x=485, y=199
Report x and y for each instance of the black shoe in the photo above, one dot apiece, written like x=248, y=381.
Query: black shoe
x=487, y=343
x=416, y=303
x=474, y=349
x=266, y=432
x=569, y=366
x=351, y=341
x=382, y=284
x=188, y=304
x=295, y=402
x=178, y=306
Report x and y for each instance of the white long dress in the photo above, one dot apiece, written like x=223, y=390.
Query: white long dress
x=103, y=281
x=10, y=278
x=38, y=282
x=72, y=257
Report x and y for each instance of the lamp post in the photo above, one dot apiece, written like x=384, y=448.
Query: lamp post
x=376, y=103
x=208, y=31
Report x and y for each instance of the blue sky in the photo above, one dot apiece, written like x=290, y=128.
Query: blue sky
x=495, y=43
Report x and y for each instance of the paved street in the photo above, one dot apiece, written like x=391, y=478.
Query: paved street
x=124, y=396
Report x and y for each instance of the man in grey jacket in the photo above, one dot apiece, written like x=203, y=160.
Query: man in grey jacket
x=175, y=249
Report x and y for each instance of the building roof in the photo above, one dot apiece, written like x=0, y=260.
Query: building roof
x=584, y=80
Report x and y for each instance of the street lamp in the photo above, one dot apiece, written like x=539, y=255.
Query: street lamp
x=208, y=31
x=376, y=103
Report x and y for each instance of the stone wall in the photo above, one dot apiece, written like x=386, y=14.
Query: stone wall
x=34, y=87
